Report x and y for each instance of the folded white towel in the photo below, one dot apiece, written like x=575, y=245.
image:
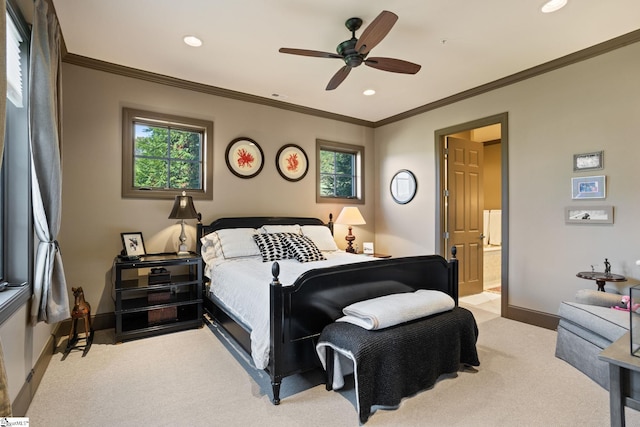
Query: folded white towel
x=390, y=310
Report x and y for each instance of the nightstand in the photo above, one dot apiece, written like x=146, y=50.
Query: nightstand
x=152, y=304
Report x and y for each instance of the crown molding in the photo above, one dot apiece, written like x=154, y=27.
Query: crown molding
x=95, y=64
x=581, y=55
x=564, y=61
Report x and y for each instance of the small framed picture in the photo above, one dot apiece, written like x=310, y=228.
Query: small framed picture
x=244, y=157
x=133, y=243
x=588, y=187
x=367, y=248
x=589, y=215
x=291, y=162
x=588, y=161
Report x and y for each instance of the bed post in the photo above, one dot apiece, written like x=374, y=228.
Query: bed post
x=330, y=223
x=275, y=346
x=453, y=274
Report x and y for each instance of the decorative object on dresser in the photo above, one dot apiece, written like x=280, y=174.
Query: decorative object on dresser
x=161, y=302
x=183, y=208
x=244, y=157
x=304, y=297
x=350, y=215
x=292, y=162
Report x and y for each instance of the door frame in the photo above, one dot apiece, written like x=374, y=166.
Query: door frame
x=440, y=135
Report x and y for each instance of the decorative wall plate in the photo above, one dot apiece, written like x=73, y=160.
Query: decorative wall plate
x=292, y=162
x=244, y=157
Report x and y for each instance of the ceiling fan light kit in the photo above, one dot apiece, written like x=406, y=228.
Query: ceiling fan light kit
x=354, y=51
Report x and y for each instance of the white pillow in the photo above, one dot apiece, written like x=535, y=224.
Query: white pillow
x=238, y=242
x=321, y=236
x=211, y=247
x=295, y=228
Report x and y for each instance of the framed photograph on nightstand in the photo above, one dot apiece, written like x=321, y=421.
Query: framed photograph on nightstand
x=133, y=243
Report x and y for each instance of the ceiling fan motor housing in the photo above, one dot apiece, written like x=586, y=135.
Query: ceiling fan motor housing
x=347, y=50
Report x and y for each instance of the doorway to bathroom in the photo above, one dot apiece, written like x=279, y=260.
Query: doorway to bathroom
x=472, y=210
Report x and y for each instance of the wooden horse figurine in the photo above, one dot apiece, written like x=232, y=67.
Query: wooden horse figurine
x=81, y=310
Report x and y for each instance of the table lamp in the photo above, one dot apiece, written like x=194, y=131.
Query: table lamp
x=183, y=209
x=350, y=215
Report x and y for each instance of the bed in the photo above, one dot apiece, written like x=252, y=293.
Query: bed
x=275, y=308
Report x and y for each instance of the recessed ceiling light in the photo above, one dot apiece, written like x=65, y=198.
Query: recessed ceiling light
x=192, y=41
x=553, y=5
x=369, y=92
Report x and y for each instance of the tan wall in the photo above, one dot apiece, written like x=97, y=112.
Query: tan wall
x=94, y=213
x=589, y=106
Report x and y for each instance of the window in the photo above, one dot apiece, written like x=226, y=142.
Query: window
x=16, y=232
x=163, y=154
x=340, y=173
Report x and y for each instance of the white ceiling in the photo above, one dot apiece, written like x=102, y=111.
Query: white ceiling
x=461, y=44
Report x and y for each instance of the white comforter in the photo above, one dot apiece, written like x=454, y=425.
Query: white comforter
x=242, y=285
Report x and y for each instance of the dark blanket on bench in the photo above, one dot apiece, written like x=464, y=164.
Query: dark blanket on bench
x=400, y=361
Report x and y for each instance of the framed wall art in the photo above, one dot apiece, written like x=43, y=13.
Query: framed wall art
x=588, y=187
x=588, y=161
x=133, y=243
x=244, y=157
x=589, y=214
x=292, y=162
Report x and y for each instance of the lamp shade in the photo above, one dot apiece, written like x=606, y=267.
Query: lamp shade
x=183, y=208
x=350, y=215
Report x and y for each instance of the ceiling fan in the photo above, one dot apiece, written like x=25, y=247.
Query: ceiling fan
x=354, y=51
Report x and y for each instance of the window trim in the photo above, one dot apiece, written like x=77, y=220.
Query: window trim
x=358, y=151
x=129, y=115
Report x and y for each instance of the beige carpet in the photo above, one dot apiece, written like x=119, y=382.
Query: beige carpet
x=192, y=378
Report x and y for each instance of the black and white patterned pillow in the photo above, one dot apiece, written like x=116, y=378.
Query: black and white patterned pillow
x=272, y=246
x=303, y=249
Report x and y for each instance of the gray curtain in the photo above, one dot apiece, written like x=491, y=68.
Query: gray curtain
x=50, y=295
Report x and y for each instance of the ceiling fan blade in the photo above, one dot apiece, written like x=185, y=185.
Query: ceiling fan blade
x=376, y=31
x=338, y=77
x=306, y=52
x=393, y=65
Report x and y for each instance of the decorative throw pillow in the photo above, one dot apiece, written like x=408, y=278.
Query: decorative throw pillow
x=303, y=249
x=272, y=247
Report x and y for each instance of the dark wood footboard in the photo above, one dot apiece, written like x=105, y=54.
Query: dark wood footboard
x=300, y=312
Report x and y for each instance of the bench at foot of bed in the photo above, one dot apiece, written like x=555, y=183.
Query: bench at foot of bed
x=400, y=361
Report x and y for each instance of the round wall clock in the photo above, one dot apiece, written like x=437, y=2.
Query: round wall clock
x=244, y=157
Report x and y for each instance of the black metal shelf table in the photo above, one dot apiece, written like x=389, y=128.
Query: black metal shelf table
x=173, y=304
